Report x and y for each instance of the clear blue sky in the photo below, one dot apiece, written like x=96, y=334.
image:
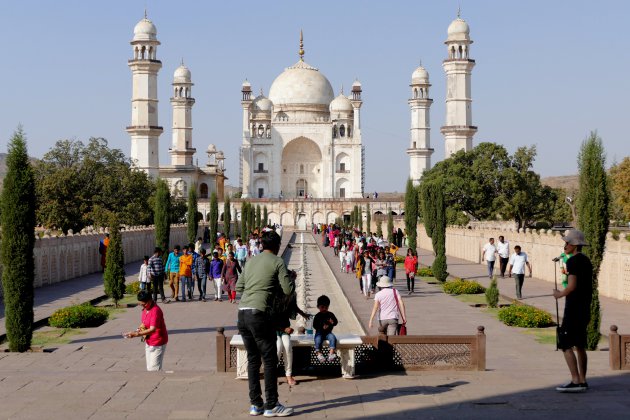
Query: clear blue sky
x=547, y=72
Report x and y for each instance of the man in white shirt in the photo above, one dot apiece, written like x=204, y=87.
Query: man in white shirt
x=489, y=255
x=518, y=261
x=503, y=249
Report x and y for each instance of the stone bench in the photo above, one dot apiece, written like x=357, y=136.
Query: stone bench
x=346, y=345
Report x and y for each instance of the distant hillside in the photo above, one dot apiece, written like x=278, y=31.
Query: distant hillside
x=567, y=182
x=3, y=167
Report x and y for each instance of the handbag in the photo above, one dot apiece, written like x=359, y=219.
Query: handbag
x=402, y=327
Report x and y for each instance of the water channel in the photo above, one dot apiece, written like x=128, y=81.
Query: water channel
x=315, y=278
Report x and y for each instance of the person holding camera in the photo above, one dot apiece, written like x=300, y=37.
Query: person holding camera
x=264, y=278
x=152, y=330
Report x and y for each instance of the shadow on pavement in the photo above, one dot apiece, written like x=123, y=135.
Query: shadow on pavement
x=381, y=395
x=170, y=332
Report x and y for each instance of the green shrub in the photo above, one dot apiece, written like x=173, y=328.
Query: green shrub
x=518, y=315
x=78, y=316
x=463, y=287
x=492, y=294
x=425, y=272
x=399, y=259
x=132, y=288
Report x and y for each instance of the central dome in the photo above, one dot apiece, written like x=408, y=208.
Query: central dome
x=301, y=84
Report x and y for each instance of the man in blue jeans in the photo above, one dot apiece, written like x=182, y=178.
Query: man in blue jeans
x=265, y=277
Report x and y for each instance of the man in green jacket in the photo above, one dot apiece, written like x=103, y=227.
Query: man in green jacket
x=263, y=279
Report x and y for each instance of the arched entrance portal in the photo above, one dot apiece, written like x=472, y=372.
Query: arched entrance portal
x=301, y=188
x=302, y=169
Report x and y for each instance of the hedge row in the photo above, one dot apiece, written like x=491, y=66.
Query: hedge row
x=78, y=316
x=463, y=287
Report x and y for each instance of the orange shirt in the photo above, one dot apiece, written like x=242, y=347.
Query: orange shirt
x=185, y=265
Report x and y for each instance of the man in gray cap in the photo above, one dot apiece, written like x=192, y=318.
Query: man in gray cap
x=577, y=307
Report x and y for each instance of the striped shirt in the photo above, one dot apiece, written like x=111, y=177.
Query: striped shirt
x=156, y=267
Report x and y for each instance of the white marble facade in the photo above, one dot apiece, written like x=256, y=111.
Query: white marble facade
x=301, y=140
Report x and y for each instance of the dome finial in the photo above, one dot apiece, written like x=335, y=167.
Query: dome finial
x=342, y=88
x=261, y=92
x=459, y=11
x=301, y=52
x=182, y=61
x=145, y=13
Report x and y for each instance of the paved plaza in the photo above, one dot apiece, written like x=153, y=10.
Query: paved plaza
x=101, y=375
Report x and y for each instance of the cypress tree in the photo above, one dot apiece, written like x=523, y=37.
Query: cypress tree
x=411, y=215
x=114, y=276
x=390, y=225
x=227, y=217
x=214, y=219
x=17, y=206
x=191, y=215
x=368, y=222
x=265, y=216
x=244, y=213
x=355, y=221
x=435, y=224
x=379, y=227
x=593, y=218
x=360, y=219
x=258, y=217
x=161, y=214
x=251, y=216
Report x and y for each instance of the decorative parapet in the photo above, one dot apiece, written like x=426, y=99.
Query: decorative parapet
x=541, y=247
x=64, y=257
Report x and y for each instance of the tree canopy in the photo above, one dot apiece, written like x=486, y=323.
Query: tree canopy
x=81, y=184
x=620, y=188
x=486, y=183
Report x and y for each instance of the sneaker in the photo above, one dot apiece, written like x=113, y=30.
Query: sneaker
x=256, y=411
x=332, y=357
x=584, y=385
x=321, y=358
x=571, y=387
x=279, y=411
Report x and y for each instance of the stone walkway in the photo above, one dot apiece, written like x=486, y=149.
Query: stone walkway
x=82, y=289
x=101, y=375
x=536, y=292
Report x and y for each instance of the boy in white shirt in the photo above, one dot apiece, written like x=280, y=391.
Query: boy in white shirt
x=143, y=276
x=518, y=261
x=489, y=255
x=503, y=249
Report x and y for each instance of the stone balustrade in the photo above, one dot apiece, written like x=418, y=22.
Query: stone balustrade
x=64, y=257
x=541, y=247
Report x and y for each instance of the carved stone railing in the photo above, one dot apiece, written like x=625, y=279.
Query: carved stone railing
x=619, y=349
x=384, y=353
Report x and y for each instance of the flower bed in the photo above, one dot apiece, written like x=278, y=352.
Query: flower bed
x=463, y=287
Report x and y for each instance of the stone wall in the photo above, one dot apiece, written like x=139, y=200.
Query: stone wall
x=66, y=257
x=541, y=247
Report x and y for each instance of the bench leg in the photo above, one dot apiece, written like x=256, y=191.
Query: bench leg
x=241, y=363
x=346, y=358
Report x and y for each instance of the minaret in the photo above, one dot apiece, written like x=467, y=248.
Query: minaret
x=420, y=150
x=246, y=164
x=359, y=150
x=182, y=101
x=144, y=129
x=458, y=131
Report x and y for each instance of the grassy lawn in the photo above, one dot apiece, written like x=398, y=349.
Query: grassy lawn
x=542, y=335
x=478, y=298
x=49, y=337
x=122, y=305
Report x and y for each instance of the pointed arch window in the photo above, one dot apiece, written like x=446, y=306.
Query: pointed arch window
x=342, y=131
